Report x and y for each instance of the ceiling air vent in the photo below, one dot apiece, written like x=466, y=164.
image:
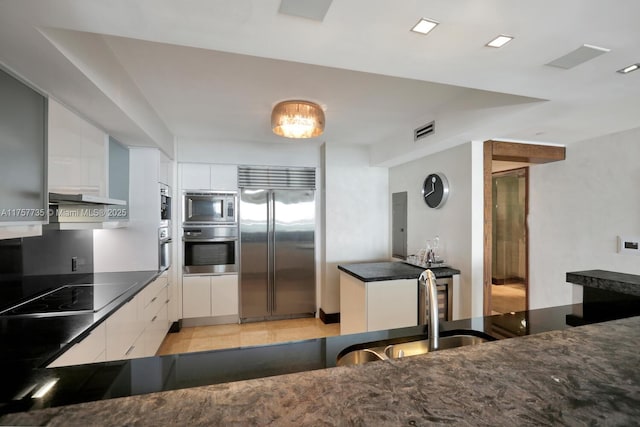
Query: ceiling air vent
x=424, y=131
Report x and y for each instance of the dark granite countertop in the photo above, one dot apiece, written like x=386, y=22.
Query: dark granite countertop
x=106, y=380
x=33, y=342
x=607, y=280
x=391, y=270
x=586, y=375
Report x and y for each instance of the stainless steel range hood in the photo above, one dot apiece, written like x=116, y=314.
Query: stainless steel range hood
x=84, y=199
x=84, y=212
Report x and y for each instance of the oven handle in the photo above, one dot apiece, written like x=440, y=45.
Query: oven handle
x=220, y=239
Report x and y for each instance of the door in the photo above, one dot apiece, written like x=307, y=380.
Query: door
x=509, y=275
x=399, y=225
x=294, y=252
x=254, y=254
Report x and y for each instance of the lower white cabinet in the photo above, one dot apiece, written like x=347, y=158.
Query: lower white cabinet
x=196, y=296
x=156, y=317
x=210, y=296
x=91, y=349
x=123, y=329
x=224, y=295
x=136, y=329
x=373, y=306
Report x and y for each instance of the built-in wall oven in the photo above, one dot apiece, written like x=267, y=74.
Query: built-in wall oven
x=165, y=205
x=164, y=248
x=210, y=249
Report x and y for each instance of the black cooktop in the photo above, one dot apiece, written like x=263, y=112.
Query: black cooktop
x=70, y=299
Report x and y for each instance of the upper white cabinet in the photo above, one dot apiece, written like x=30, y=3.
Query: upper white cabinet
x=22, y=157
x=165, y=173
x=195, y=176
x=77, y=154
x=224, y=177
x=201, y=176
x=119, y=177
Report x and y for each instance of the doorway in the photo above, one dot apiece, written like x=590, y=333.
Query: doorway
x=502, y=156
x=509, y=270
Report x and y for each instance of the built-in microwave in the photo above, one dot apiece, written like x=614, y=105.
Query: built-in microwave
x=209, y=207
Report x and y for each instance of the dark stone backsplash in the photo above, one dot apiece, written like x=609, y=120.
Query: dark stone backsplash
x=49, y=254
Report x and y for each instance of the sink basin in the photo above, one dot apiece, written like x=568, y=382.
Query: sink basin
x=359, y=357
x=413, y=348
x=401, y=347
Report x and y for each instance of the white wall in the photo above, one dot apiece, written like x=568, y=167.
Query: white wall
x=356, y=215
x=577, y=208
x=454, y=222
x=134, y=248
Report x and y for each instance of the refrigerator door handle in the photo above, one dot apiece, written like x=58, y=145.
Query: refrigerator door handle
x=269, y=252
x=272, y=244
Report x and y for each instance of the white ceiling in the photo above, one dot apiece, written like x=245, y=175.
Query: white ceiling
x=149, y=70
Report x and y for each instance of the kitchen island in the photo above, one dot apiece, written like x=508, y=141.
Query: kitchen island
x=384, y=295
x=605, y=295
x=578, y=376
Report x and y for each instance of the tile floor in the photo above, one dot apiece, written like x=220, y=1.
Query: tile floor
x=507, y=298
x=217, y=337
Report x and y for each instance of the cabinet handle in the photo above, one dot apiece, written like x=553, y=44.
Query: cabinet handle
x=130, y=350
x=153, y=299
x=154, y=318
x=167, y=301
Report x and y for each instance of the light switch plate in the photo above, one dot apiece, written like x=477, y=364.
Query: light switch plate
x=629, y=245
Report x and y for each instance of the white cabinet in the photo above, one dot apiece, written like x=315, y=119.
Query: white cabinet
x=23, y=205
x=210, y=296
x=373, y=306
x=136, y=329
x=196, y=296
x=224, y=177
x=119, y=178
x=172, y=292
x=155, y=302
x=91, y=349
x=224, y=295
x=77, y=153
x=195, y=176
x=165, y=172
x=123, y=329
x=201, y=176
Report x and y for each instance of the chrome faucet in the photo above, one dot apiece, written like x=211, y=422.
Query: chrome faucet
x=433, y=321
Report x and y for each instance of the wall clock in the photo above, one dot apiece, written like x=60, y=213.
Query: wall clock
x=435, y=190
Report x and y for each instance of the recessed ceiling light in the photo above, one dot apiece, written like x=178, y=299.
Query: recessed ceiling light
x=424, y=26
x=629, y=69
x=499, y=41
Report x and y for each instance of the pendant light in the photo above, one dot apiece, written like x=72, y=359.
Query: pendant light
x=297, y=119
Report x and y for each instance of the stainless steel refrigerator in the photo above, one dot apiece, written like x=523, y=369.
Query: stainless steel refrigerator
x=277, y=253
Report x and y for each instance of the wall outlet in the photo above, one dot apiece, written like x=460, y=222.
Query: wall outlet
x=629, y=245
x=74, y=263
